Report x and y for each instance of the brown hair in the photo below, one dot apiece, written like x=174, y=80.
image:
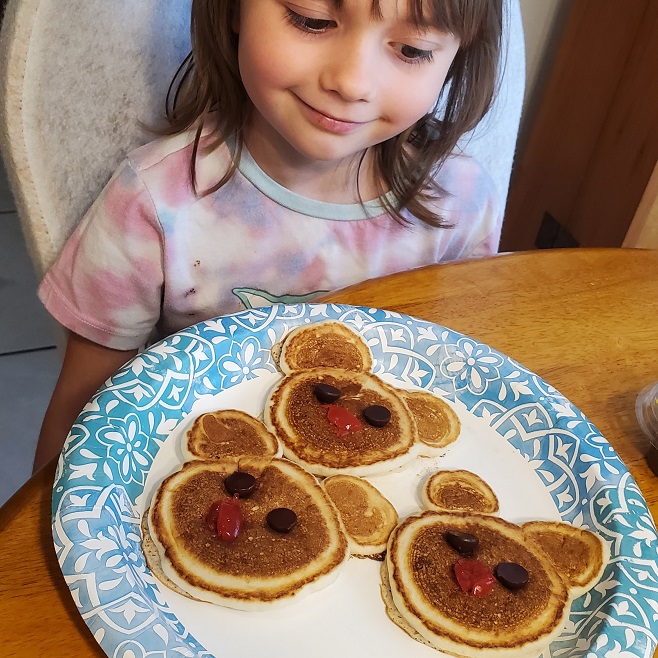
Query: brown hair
x=209, y=79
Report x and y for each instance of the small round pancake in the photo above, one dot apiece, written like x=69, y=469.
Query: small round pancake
x=458, y=491
x=229, y=434
x=502, y=623
x=260, y=568
x=580, y=556
x=328, y=344
x=310, y=437
x=367, y=516
x=438, y=425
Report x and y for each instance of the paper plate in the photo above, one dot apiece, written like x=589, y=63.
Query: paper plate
x=539, y=453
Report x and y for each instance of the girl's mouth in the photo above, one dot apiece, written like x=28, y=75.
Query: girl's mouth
x=330, y=123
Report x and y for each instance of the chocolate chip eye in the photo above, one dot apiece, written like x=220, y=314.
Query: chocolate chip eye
x=325, y=393
x=281, y=520
x=240, y=483
x=376, y=415
x=463, y=542
x=511, y=575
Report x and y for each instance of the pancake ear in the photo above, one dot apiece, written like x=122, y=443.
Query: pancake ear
x=437, y=424
x=367, y=516
x=579, y=555
x=327, y=344
x=228, y=434
x=458, y=491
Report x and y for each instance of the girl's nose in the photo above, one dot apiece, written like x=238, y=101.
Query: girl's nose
x=351, y=71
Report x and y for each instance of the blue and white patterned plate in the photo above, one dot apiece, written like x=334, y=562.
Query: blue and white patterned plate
x=543, y=458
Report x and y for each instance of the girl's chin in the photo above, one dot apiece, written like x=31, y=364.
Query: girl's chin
x=327, y=150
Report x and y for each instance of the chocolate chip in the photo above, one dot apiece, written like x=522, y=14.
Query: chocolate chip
x=240, y=483
x=376, y=415
x=326, y=393
x=511, y=575
x=464, y=543
x=281, y=519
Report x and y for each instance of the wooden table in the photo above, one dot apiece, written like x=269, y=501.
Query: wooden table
x=584, y=320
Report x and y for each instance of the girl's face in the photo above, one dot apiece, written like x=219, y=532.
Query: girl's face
x=327, y=82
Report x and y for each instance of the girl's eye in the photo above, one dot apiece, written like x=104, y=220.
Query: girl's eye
x=415, y=55
x=306, y=24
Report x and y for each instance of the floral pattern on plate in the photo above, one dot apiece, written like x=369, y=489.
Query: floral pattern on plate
x=106, y=460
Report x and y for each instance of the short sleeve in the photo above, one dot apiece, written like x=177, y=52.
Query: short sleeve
x=106, y=285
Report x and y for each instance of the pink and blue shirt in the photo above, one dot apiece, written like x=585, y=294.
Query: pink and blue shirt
x=151, y=257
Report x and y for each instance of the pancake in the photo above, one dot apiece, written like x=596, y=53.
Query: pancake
x=328, y=344
x=437, y=424
x=260, y=568
x=458, y=491
x=368, y=517
x=502, y=622
x=580, y=556
x=228, y=433
x=152, y=556
x=393, y=613
x=305, y=429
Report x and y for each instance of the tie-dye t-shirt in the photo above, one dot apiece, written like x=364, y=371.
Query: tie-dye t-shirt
x=150, y=257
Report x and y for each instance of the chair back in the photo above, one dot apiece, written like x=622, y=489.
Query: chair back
x=81, y=79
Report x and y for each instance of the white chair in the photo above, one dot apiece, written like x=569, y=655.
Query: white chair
x=78, y=78
x=80, y=75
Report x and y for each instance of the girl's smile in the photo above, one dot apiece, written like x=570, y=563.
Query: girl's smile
x=330, y=123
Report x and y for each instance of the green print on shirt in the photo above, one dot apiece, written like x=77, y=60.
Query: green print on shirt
x=253, y=298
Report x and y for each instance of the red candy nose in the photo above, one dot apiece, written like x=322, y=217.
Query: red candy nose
x=211, y=516
x=474, y=577
x=229, y=519
x=342, y=419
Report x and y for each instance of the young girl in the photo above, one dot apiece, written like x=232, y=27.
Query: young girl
x=303, y=154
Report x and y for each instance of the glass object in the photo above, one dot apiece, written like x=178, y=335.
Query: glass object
x=646, y=409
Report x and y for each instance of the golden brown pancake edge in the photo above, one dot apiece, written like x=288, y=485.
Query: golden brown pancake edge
x=459, y=491
x=300, y=423
x=442, y=632
x=579, y=555
x=368, y=517
x=237, y=586
x=324, y=344
x=237, y=431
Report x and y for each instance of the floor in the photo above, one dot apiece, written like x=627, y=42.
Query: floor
x=29, y=361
